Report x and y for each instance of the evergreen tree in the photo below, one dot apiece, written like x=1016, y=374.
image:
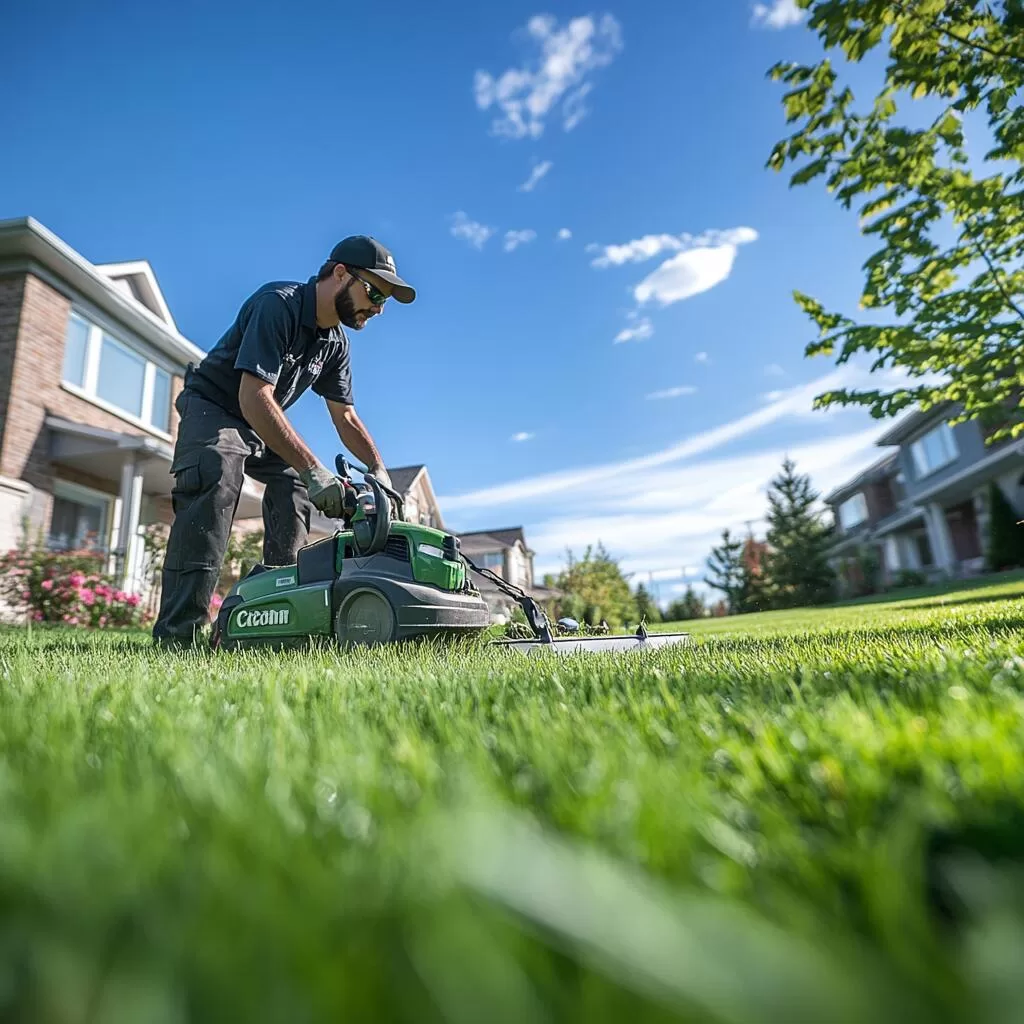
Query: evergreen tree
x=689, y=606
x=728, y=572
x=645, y=606
x=1005, y=537
x=797, y=570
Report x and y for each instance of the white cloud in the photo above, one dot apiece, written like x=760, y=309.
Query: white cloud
x=641, y=332
x=678, y=392
x=538, y=172
x=780, y=14
x=773, y=396
x=470, y=231
x=564, y=235
x=559, y=69
x=523, y=435
x=514, y=239
x=686, y=275
x=701, y=357
x=774, y=370
x=640, y=249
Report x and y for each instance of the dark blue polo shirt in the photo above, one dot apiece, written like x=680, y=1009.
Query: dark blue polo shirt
x=276, y=338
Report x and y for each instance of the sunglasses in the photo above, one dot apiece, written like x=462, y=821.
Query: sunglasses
x=378, y=298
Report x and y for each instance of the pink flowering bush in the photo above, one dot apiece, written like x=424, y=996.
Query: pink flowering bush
x=66, y=587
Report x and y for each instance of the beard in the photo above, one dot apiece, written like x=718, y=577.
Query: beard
x=347, y=312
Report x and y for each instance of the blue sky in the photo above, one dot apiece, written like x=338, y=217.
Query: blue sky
x=233, y=144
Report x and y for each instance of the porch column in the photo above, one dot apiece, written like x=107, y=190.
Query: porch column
x=939, y=537
x=128, y=528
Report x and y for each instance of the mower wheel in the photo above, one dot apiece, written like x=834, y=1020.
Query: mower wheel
x=365, y=618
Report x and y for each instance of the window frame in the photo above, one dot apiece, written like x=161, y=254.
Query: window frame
x=862, y=503
x=918, y=451
x=87, y=389
x=68, y=491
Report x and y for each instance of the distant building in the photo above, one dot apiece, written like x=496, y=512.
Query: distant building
x=923, y=506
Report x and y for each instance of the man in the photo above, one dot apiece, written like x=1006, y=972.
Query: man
x=286, y=338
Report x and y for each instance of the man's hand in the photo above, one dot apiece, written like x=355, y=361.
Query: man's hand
x=326, y=491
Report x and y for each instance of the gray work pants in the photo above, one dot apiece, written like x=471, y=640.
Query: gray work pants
x=213, y=451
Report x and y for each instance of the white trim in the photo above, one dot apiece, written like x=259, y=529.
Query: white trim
x=148, y=376
x=94, y=344
x=982, y=464
x=140, y=268
x=26, y=237
x=120, y=413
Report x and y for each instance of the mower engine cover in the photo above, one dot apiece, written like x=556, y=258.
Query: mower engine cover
x=415, y=586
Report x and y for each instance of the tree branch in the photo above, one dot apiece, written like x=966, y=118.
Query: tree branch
x=998, y=280
x=964, y=41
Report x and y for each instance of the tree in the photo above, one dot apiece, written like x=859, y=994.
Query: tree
x=950, y=267
x=798, y=540
x=1005, y=537
x=594, y=589
x=730, y=573
x=646, y=609
x=689, y=606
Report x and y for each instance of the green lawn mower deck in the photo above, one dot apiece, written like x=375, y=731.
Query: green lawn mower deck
x=382, y=580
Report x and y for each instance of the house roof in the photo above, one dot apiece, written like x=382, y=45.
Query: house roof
x=878, y=470
x=403, y=477
x=27, y=243
x=505, y=538
x=138, y=280
x=914, y=421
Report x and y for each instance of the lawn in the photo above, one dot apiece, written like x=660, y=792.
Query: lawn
x=802, y=817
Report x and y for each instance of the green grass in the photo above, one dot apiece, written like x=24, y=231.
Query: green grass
x=753, y=828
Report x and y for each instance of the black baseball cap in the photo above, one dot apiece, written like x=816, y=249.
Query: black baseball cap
x=367, y=253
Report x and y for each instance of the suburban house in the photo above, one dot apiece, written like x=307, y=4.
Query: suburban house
x=923, y=506
x=91, y=361
x=90, y=364
x=506, y=553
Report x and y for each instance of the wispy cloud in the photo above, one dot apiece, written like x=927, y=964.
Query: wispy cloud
x=523, y=435
x=774, y=370
x=777, y=14
x=558, y=70
x=678, y=392
x=772, y=396
x=640, y=249
x=514, y=239
x=641, y=332
x=701, y=357
x=470, y=231
x=538, y=172
x=795, y=402
x=564, y=234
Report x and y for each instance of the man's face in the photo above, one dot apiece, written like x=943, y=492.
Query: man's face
x=352, y=300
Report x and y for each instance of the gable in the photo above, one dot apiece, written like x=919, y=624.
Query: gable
x=137, y=281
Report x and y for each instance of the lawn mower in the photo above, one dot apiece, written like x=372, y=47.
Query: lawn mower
x=381, y=580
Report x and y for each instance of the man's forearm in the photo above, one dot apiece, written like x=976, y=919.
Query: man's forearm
x=267, y=418
x=356, y=438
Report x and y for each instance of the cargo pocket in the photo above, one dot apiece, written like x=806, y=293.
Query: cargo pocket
x=188, y=478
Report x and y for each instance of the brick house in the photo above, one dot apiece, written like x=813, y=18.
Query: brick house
x=90, y=364
x=923, y=506
x=506, y=553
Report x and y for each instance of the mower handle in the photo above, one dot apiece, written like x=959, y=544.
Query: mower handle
x=344, y=468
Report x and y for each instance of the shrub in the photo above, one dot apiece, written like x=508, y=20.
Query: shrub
x=66, y=587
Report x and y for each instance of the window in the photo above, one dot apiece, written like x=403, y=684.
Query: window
x=122, y=376
x=79, y=519
x=109, y=371
x=75, y=346
x=491, y=560
x=853, y=511
x=160, y=413
x=933, y=451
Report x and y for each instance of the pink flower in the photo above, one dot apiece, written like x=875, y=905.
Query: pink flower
x=47, y=584
x=26, y=594
x=134, y=600
x=71, y=620
x=87, y=596
x=37, y=616
x=103, y=620
x=76, y=579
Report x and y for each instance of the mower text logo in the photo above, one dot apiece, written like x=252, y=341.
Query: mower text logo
x=249, y=617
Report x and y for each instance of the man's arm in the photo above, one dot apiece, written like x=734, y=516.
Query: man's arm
x=263, y=413
x=354, y=435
